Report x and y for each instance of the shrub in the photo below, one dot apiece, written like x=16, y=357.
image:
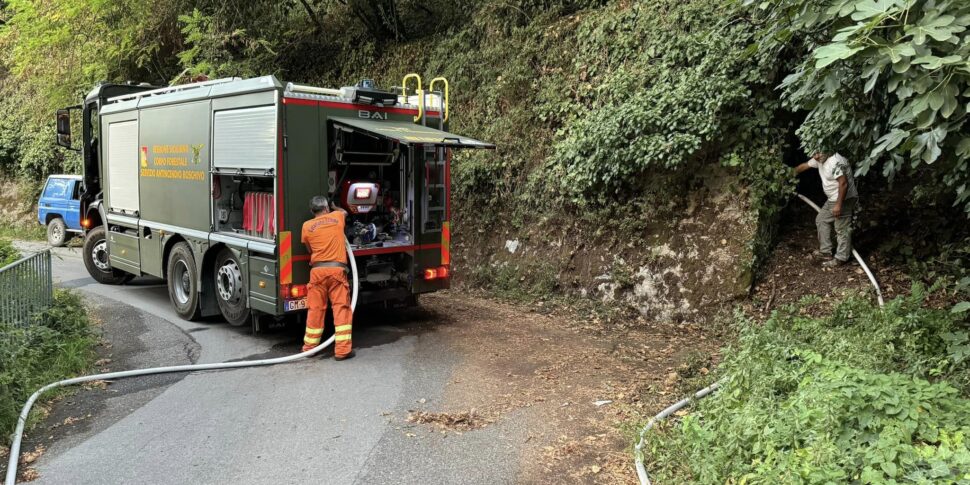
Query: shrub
x=57, y=345
x=8, y=254
x=866, y=395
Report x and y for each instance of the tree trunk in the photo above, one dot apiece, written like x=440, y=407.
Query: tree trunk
x=380, y=17
x=313, y=15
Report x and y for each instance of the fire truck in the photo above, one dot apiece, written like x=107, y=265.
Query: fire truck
x=207, y=185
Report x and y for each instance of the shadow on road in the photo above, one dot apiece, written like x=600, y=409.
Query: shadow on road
x=374, y=326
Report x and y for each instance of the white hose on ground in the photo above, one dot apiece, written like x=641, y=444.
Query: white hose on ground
x=638, y=450
x=855, y=253
x=22, y=421
x=677, y=406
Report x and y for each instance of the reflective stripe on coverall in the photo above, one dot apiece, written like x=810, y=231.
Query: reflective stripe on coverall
x=328, y=286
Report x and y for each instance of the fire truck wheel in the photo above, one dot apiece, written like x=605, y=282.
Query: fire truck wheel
x=231, y=289
x=183, y=281
x=95, y=256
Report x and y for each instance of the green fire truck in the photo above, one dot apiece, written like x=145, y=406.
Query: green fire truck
x=207, y=185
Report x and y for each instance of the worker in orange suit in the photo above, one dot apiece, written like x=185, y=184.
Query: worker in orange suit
x=324, y=239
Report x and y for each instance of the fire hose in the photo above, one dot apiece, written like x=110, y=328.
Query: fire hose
x=11, y=478
x=677, y=406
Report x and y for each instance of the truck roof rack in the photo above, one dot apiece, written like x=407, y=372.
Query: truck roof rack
x=173, y=89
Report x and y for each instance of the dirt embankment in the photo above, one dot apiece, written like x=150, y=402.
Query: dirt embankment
x=681, y=262
x=17, y=204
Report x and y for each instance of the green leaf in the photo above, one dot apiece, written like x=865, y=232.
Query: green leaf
x=889, y=141
x=870, y=84
x=831, y=53
x=932, y=62
x=939, y=27
x=870, y=8
x=901, y=66
x=869, y=475
x=963, y=150
x=961, y=307
x=898, y=51
x=950, y=105
x=889, y=468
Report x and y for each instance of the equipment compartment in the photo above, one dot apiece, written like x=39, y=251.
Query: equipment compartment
x=244, y=205
x=371, y=178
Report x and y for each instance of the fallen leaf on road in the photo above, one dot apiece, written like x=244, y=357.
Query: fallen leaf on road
x=671, y=379
x=102, y=362
x=96, y=384
x=71, y=420
x=31, y=456
x=29, y=475
x=457, y=421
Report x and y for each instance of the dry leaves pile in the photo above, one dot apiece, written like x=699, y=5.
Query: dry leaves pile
x=464, y=421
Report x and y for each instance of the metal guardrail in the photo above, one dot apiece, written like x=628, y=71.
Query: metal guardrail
x=26, y=287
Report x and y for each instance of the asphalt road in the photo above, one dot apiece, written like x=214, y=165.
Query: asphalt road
x=314, y=421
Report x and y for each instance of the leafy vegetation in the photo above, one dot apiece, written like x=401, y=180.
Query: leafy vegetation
x=57, y=345
x=8, y=254
x=866, y=395
x=885, y=80
x=23, y=231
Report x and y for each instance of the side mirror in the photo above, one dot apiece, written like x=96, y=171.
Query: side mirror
x=64, y=129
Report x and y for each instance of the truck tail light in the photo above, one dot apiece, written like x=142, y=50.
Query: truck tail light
x=438, y=273
x=291, y=292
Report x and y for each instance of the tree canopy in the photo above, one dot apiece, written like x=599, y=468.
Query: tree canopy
x=887, y=80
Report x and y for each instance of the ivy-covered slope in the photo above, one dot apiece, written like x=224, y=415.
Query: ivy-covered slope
x=639, y=150
x=640, y=157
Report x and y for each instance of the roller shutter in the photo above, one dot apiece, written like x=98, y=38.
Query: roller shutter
x=123, y=166
x=245, y=138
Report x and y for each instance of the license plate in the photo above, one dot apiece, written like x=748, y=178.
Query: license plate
x=291, y=305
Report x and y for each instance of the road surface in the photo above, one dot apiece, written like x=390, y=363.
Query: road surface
x=314, y=421
x=462, y=390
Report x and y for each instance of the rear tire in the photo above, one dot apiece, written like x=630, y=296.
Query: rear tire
x=57, y=232
x=182, y=277
x=231, y=289
x=95, y=256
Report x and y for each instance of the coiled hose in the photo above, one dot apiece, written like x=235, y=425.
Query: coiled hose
x=22, y=420
x=638, y=449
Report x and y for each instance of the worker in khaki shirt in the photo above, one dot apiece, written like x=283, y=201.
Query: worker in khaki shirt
x=324, y=238
x=839, y=186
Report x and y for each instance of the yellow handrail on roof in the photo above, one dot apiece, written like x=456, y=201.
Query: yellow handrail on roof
x=445, y=104
x=419, y=91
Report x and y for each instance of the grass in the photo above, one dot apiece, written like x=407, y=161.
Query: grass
x=8, y=253
x=57, y=345
x=23, y=232
x=864, y=395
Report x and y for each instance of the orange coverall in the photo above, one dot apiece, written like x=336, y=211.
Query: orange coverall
x=324, y=236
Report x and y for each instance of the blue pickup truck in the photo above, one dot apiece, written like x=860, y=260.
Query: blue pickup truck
x=59, y=208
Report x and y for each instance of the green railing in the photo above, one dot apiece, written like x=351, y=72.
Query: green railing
x=26, y=287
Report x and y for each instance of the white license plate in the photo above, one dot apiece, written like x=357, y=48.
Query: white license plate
x=295, y=304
